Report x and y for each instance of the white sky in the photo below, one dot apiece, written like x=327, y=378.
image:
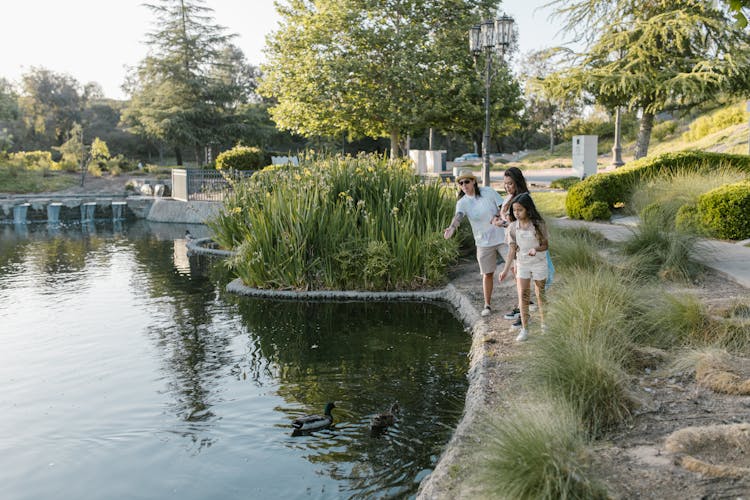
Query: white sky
x=94, y=40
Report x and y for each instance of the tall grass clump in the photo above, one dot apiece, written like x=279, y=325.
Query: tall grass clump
x=593, y=319
x=538, y=452
x=338, y=223
x=576, y=248
x=666, y=193
x=675, y=320
x=659, y=251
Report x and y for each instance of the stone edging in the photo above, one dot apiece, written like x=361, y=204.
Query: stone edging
x=435, y=484
x=198, y=246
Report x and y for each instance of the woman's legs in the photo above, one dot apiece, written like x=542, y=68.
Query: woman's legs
x=487, y=285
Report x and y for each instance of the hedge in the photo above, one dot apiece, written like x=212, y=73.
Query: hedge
x=725, y=211
x=594, y=197
x=241, y=158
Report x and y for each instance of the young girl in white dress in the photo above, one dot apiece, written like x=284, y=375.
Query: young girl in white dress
x=528, y=240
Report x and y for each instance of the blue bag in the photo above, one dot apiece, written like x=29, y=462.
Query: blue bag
x=550, y=271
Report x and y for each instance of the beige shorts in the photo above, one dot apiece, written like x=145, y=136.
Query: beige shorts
x=487, y=258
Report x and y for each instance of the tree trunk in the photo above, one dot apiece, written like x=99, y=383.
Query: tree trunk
x=551, y=139
x=431, y=138
x=644, y=135
x=394, y=144
x=178, y=155
x=198, y=155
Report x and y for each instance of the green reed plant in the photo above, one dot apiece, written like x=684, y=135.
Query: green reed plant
x=538, y=452
x=338, y=222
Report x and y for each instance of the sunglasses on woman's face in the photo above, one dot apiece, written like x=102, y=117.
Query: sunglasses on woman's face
x=465, y=181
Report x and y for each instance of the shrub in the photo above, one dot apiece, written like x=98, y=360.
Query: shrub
x=669, y=191
x=537, y=451
x=725, y=211
x=615, y=188
x=241, y=158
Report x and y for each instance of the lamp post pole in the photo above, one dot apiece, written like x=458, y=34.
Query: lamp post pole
x=489, y=37
x=617, y=149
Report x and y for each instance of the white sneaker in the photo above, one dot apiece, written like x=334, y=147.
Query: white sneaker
x=522, y=336
x=486, y=311
x=544, y=328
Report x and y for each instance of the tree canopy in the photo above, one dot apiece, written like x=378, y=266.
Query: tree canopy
x=653, y=56
x=374, y=68
x=186, y=92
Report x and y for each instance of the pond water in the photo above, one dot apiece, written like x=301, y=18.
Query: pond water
x=126, y=371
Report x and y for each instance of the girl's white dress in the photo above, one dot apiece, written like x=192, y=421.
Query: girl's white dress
x=525, y=240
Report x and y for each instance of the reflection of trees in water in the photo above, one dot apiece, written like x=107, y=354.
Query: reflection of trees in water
x=59, y=257
x=364, y=356
x=196, y=353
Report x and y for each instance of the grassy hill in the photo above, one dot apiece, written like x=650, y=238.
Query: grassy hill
x=723, y=130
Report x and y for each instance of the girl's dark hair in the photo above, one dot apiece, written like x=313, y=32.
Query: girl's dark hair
x=524, y=199
x=517, y=176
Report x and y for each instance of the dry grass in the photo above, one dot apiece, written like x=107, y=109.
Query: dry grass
x=724, y=373
x=714, y=450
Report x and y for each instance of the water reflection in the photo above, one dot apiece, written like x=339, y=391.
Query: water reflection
x=150, y=371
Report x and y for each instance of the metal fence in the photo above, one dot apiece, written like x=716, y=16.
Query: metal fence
x=203, y=185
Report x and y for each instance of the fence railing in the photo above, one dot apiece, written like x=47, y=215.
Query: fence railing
x=190, y=184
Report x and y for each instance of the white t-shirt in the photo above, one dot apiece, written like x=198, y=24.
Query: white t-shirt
x=480, y=210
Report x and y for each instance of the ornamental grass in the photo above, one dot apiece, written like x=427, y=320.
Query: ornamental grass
x=338, y=222
x=538, y=451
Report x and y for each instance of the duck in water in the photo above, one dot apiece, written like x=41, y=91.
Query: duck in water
x=309, y=423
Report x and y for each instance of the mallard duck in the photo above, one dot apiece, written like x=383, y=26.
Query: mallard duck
x=385, y=419
x=314, y=422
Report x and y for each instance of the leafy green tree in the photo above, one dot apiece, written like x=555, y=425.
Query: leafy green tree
x=368, y=68
x=9, y=114
x=50, y=104
x=545, y=110
x=652, y=56
x=177, y=96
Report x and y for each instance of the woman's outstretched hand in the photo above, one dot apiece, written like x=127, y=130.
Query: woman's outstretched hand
x=449, y=231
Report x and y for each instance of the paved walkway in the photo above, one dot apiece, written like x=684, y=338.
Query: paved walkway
x=730, y=259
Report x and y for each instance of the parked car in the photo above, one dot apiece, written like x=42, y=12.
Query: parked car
x=467, y=157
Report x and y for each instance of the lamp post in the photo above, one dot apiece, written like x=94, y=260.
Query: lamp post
x=490, y=37
x=616, y=149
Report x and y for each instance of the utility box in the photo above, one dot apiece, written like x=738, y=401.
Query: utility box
x=429, y=161
x=584, y=155
x=437, y=161
x=419, y=159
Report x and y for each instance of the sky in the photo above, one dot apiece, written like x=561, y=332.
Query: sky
x=96, y=40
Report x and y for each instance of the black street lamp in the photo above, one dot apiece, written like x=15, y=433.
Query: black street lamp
x=490, y=37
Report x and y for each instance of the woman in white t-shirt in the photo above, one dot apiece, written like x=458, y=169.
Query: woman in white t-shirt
x=480, y=205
